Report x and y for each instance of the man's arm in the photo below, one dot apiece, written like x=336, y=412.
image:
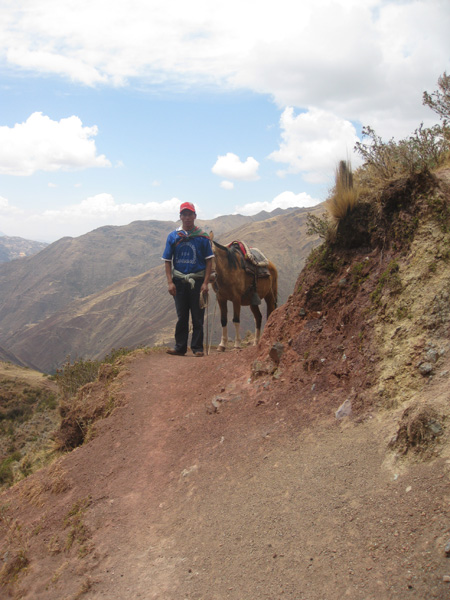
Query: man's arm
x=170, y=283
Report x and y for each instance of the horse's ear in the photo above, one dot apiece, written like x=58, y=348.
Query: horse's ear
x=211, y=235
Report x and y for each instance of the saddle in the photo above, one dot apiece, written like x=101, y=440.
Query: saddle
x=255, y=264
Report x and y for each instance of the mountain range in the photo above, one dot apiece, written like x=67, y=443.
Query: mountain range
x=17, y=247
x=84, y=296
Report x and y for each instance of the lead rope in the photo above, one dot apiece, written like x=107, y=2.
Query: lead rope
x=204, y=303
x=214, y=320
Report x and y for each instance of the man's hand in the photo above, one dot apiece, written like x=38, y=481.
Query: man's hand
x=170, y=283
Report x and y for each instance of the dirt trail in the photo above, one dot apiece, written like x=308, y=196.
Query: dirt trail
x=219, y=488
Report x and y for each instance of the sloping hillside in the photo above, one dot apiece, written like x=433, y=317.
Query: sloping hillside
x=245, y=480
x=138, y=311
x=28, y=417
x=370, y=313
x=17, y=247
x=38, y=286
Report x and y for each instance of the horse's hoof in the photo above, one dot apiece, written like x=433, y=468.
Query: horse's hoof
x=220, y=348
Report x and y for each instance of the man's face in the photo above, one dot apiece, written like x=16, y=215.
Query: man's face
x=187, y=218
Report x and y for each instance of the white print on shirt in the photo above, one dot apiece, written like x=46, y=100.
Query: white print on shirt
x=188, y=254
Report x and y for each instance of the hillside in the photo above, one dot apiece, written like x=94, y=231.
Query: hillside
x=28, y=418
x=134, y=311
x=313, y=466
x=35, y=287
x=17, y=247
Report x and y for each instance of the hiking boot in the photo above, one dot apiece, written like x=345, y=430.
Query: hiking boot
x=174, y=352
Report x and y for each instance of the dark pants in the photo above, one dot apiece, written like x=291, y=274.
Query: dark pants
x=187, y=301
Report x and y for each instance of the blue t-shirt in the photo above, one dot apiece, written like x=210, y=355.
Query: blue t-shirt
x=188, y=255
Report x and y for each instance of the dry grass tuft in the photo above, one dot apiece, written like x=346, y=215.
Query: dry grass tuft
x=345, y=193
x=418, y=432
x=13, y=567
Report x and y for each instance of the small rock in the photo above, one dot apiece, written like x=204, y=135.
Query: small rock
x=425, y=368
x=447, y=548
x=188, y=471
x=435, y=428
x=446, y=578
x=345, y=410
x=342, y=282
x=314, y=326
x=276, y=352
x=259, y=368
x=216, y=402
x=302, y=312
x=432, y=355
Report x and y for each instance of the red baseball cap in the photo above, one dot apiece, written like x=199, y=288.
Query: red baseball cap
x=187, y=206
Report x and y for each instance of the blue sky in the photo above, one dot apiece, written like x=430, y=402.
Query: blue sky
x=111, y=114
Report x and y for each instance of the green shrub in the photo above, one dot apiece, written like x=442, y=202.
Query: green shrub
x=72, y=376
x=116, y=353
x=6, y=472
x=317, y=225
x=426, y=149
x=439, y=100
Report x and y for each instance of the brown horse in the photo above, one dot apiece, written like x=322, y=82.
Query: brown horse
x=235, y=284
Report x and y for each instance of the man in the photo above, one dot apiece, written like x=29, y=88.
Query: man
x=188, y=261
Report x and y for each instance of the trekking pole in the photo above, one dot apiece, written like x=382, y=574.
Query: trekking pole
x=207, y=327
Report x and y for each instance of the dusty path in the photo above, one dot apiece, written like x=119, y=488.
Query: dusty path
x=219, y=489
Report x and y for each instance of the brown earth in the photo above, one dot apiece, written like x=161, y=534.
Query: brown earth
x=225, y=486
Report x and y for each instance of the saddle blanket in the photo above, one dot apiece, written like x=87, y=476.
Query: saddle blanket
x=253, y=255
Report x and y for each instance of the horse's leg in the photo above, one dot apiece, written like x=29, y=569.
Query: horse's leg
x=258, y=320
x=270, y=303
x=237, y=323
x=223, y=321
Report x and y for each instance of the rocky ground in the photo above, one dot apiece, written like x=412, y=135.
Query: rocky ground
x=208, y=484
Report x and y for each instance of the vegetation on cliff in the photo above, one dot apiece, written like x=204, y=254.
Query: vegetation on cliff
x=368, y=320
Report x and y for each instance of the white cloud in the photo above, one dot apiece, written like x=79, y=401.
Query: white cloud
x=6, y=210
x=103, y=207
x=40, y=144
x=313, y=142
x=364, y=60
x=84, y=216
x=284, y=200
x=231, y=167
x=227, y=185
x=77, y=219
